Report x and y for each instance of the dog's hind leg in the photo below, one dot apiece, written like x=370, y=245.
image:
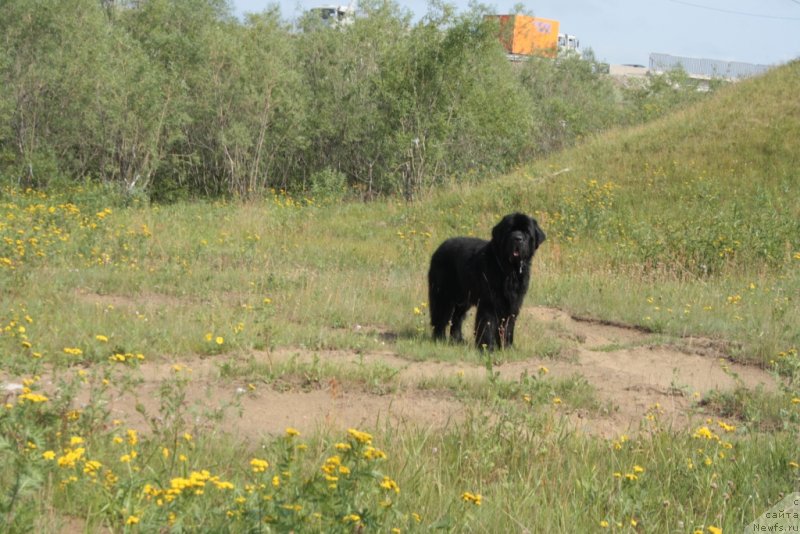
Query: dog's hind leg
x=458, y=319
x=440, y=317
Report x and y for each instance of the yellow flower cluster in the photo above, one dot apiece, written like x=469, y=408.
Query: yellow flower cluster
x=31, y=229
x=28, y=395
x=618, y=443
x=388, y=484
x=332, y=469
x=197, y=481
x=726, y=427
x=258, y=465
x=474, y=498
x=70, y=457
x=219, y=340
x=361, y=437
x=705, y=433
x=194, y=484
x=127, y=357
x=282, y=199
x=631, y=476
x=371, y=453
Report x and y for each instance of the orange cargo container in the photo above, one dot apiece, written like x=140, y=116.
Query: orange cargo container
x=524, y=35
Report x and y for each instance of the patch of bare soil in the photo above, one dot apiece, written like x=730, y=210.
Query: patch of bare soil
x=630, y=372
x=256, y=409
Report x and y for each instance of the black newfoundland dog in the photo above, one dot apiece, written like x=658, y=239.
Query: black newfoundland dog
x=492, y=275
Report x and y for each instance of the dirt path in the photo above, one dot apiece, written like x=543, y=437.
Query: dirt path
x=634, y=374
x=630, y=372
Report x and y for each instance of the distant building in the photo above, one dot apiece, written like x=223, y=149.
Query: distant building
x=523, y=35
x=705, y=68
x=336, y=15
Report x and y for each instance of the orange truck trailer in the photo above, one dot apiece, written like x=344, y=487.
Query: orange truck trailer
x=528, y=36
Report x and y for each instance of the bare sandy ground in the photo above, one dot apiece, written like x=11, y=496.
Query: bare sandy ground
x=629, y=370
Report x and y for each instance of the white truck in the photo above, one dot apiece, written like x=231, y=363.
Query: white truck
x=567, y=43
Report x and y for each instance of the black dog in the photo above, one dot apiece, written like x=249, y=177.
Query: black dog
x=492, y=275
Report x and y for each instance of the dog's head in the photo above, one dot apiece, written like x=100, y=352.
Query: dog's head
x=516, y=238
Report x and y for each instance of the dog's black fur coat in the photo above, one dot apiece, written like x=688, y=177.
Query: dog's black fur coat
x=492, y=275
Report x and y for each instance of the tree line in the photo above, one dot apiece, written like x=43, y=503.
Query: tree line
x=175, y=98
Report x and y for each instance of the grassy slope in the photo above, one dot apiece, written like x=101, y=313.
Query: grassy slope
x=697, y=214
x=686, y=226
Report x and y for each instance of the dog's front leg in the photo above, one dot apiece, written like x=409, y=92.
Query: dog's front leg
x=508, y=331
x=486, y=329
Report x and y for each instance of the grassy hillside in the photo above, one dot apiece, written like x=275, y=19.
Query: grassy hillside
x=689, y=226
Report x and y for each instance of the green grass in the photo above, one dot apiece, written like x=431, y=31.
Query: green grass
x=689, y=226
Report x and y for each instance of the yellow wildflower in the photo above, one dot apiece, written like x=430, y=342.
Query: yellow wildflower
x=71, y=457
x=371, y=453
x=474, y=498
x=705, y=433
x=91, y=467
x=258, y=465
x=725, y=426
x=361, y=437
x=389, y=484
x=32, y=397
x=223, y=485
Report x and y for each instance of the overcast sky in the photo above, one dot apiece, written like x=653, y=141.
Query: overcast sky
x=627, y=31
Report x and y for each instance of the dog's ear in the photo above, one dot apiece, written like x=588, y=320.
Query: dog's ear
x=501, y=229
x=537, y=233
